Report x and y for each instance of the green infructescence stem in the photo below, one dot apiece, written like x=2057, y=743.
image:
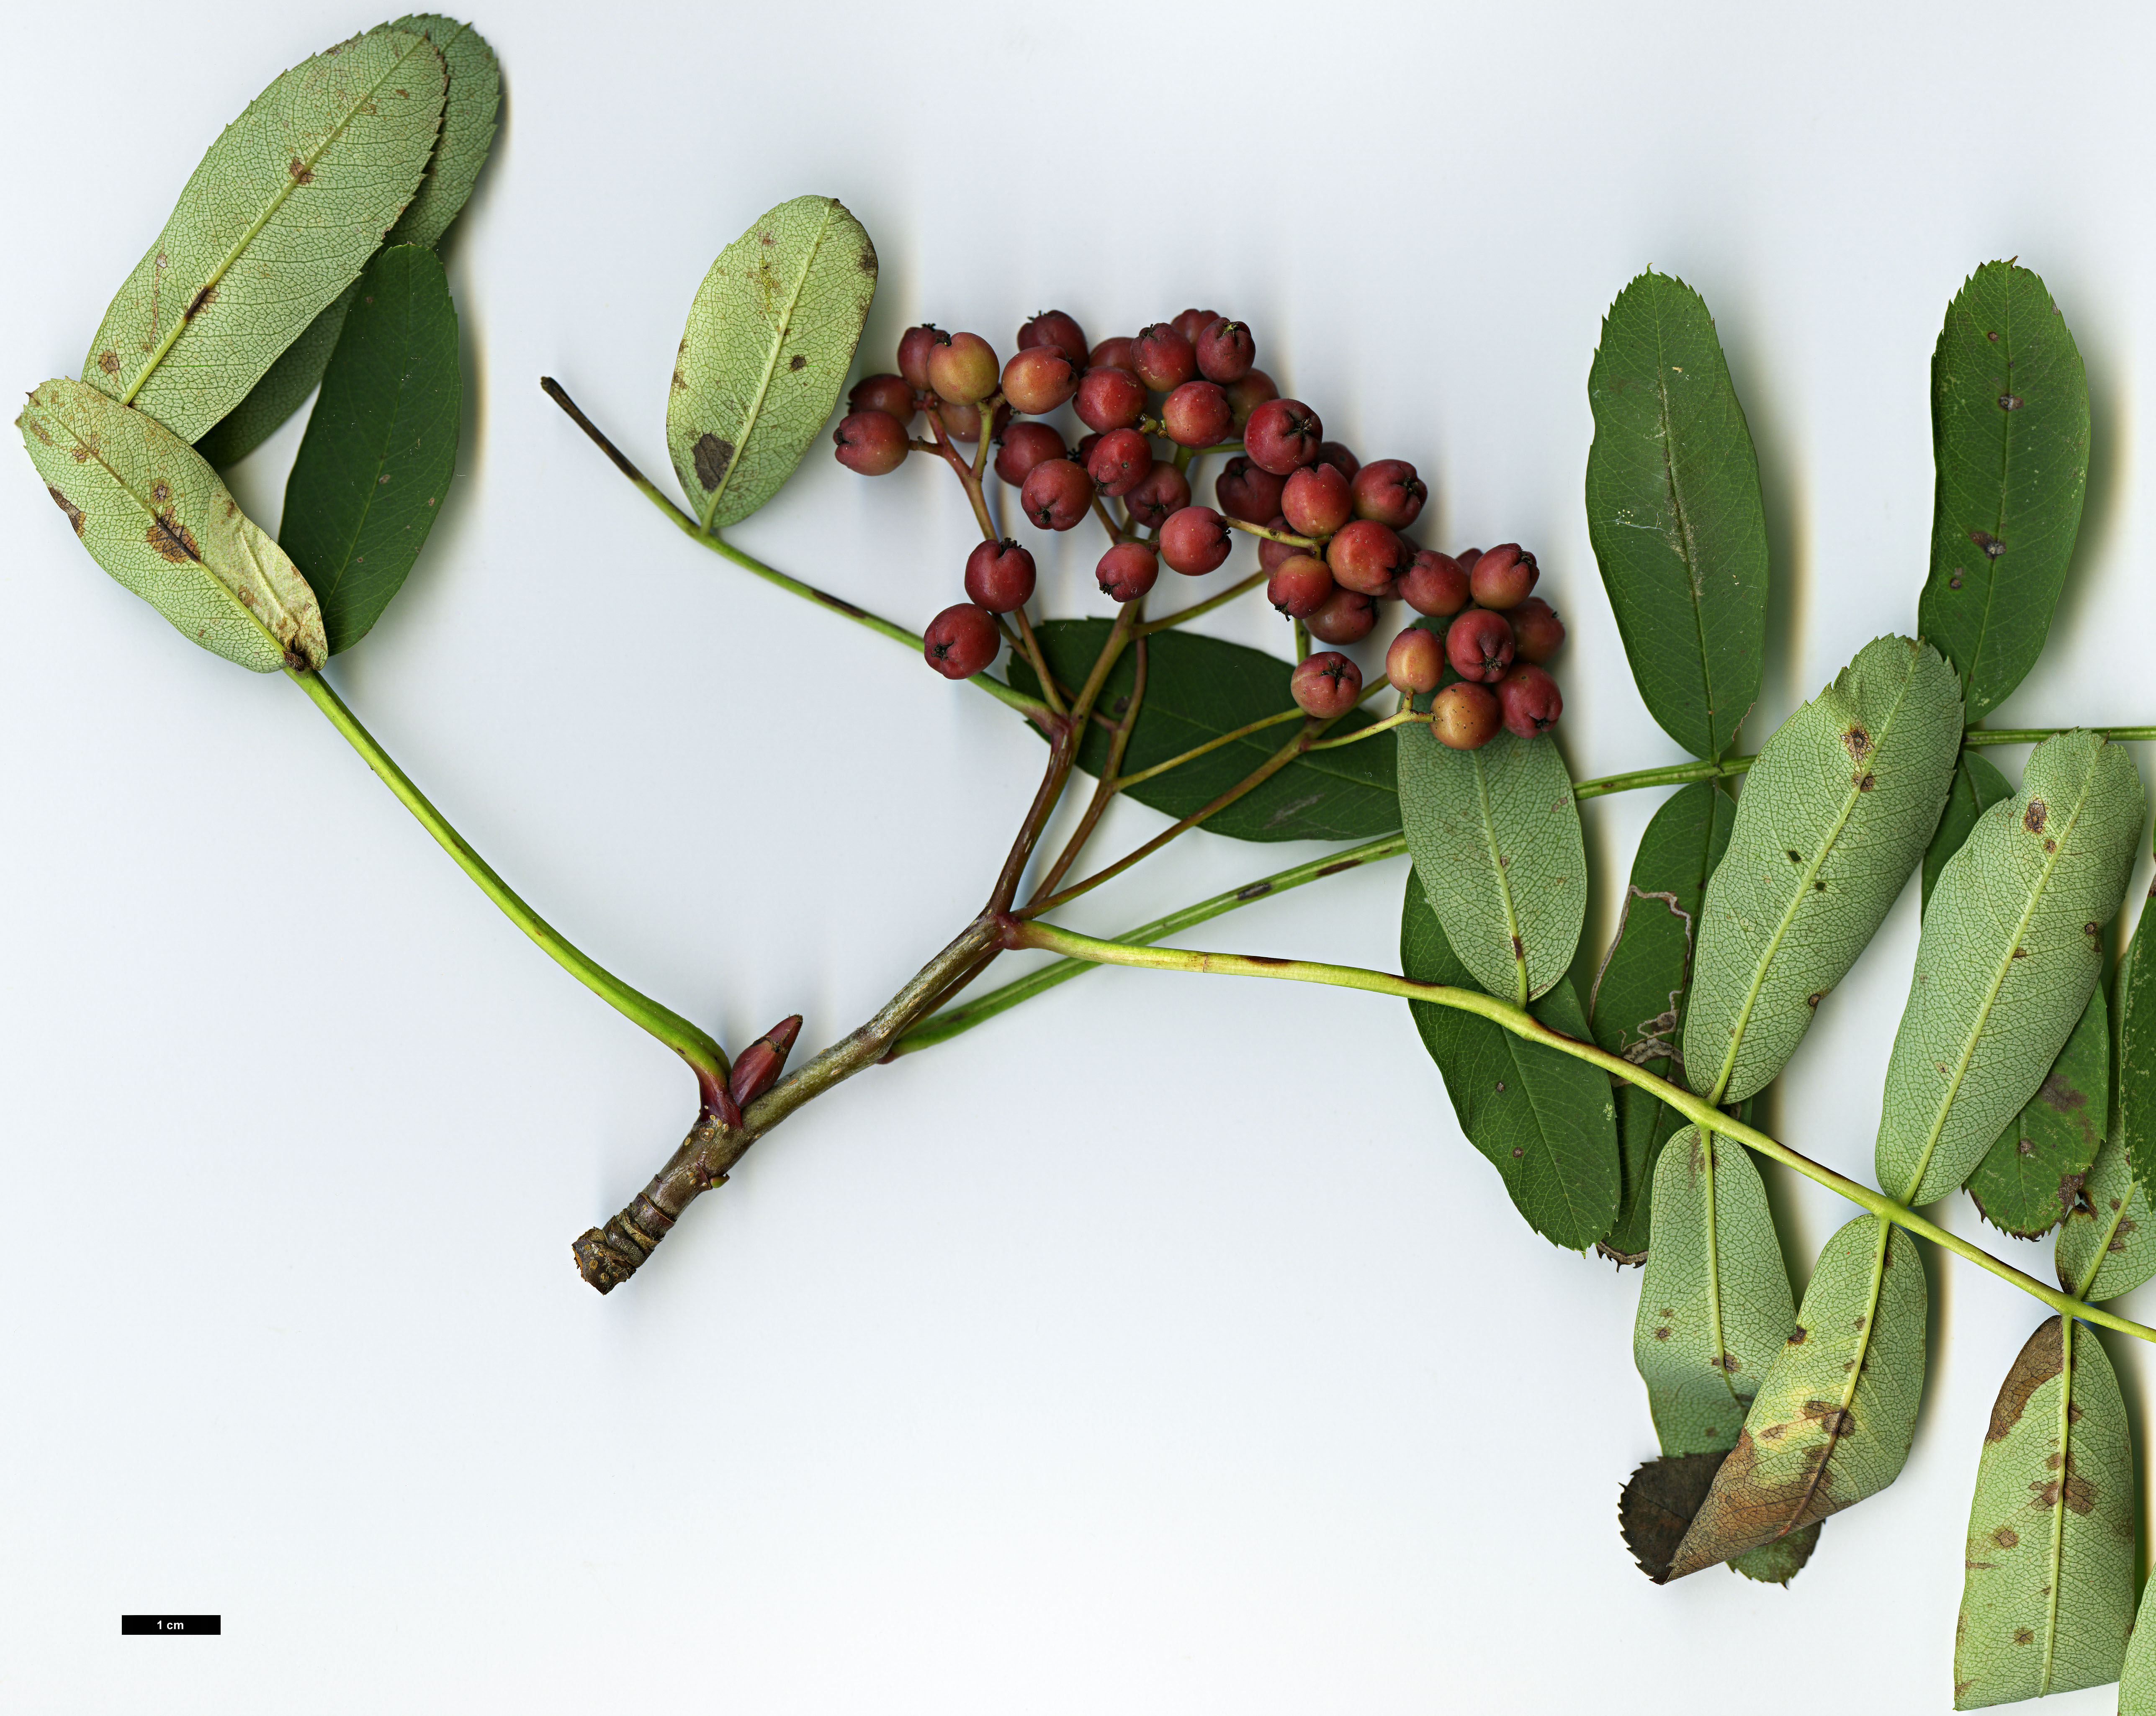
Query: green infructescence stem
x=1020, y=933
x=703, y=1054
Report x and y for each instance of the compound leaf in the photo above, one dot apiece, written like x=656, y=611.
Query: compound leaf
x=771, y=335
x=2031, y=1178
x=152, y=513
x=1977, y=786
x=278, y=219
x=1544, y=1120
x=1833, y=817
x=1674, y=512
x=2048, y=1598
x=2010, y=438
x=2009, y=950
x=1495, y=839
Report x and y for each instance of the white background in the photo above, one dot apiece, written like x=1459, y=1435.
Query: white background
x=1161, y=1347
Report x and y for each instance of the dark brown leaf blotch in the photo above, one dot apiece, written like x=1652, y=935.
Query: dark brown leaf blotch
x=172, y=539
x=713, y=455
x=67, y=506
x=2036, y=1364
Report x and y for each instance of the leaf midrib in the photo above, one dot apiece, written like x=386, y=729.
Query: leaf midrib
x=1998, y=517
x=374, y=485
x=1855, y=1374
x=1691, y=548
x=1497, y=870
x=2059, y=1500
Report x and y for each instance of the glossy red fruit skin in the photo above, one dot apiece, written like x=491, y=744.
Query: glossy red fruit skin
x=1057, y=493
x=1039, y=379
x=1192, y=323
x=1529, y=700
x=962, y=423
x=963, y=370
x=1503, y=576
x=1467, y=557
x=1120, y=460
x=1225, y=351
x=1314, y=500
x=961, y=641
x=890, y=393
x=1479, y=645
x=1163, y=357
x=1300, y=585
x=914, y=346
x=1346, y=617
x=1537, y=633
x=1336, y=454
x=1273, y=555
x=1465, y=715
x=1165, y=492
x=1415, y=661
x=999, y=575
x=1326, y=685
x=1282, y=435
x=1197, y=414
x=872, y=442
x=1365, y=556
x=1114, y=353
x=1193, y=541
x=1127, y=571
x=1054, y=327
x=1434, y=584
x=1247, y=395
x=1023, y=446
x=1111, y=398
x=1388, y=491
x=1246, y=492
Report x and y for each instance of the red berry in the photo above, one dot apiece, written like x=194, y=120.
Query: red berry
x=1056, y=494
x=1346, y=617
x=1039, y=379
x=1465, y=715
x=963, y=370
x=962, y=423
x=1165, y=492
x=1336, y=454
x=1326, y=685
x=1480, y=646
x=1300, y=585
x=1282, y=435
x=1467, y=557
x=1434, y=584
x=1537, y=633
x=1192, y=322
x=871, y=441
x=1529, y=699
x=1365, y=556
x=999, y=575
x=1127, y=571
x=1197, y=414
x=1389, y=491
x=1052, y=327
x=1113, y=354
x=1194, y=539
x=961, y=641
x=1247, y=395
x=1273, y=555
x=1503, y=576
x=914, y=346
x=1225, y=351
x=1023, y=446
x=1416, y=663
x=1111, y=398
x=890, y=393
x=1163, y=357
x=1314, y=500
x=1246, y=492
x=1121, y=460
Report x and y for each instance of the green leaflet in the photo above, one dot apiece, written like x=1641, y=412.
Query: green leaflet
x=1833, y=817
x=2047, y=1599
x=2137, y=1679
x=770, y=335
x=2009, y=951
x=1198, y=688
x=152, y=513
x=1637, y=1007
x=380, y=446
x=467, y=133
x=2010, y=438
x=1833, y=1420
x=2108, y=1245
x=1977, y=786
x=1544, y=1120
x=2133, y=1112
x=1715, y=1304
x=278, y=219
x=1495, y=837
x=1674, y=512
x=2029, y=1178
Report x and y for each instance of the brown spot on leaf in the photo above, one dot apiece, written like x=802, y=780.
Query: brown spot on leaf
x=2006, y=1537
x=679, y=382
x=1993, y=338
x=2032, y=818
x=1866, y=782
x=866, y=261
x=1858, y=740
x=712, y=457
x=1662, y=1334
x=1836, y=1421
x=1501, y=1087
x=1990, y=544
x=2020, y=953
x=67, y=506
x=160, y=493
x=2023, y=1636
x=797, y=362
x=1517, y=1152
x=2118, y=1238
x=1953, y=581
x=1816, y=997
x=1518, y=951
x=301, y=173
x=1798, y=1338
x=172, y=539
x=108, y=361
x=201, y=301
x=2036, y=1364
x=2009, y=402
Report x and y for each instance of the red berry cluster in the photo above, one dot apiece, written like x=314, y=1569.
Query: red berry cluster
x=1194, y=381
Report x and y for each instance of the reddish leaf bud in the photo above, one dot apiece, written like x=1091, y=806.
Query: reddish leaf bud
x=1165, y=492
x=1479, y=645
x=1163, y=357
x=1197, y=415
x=1326, y=685
x=1434, y=584
x=914, y=346
x=1388, y=491
x=1111, y=398
x=758, y=1067
x=1503, y=576
x=961, y=641
x=1416, y=663
x=999, y=575
x=1346, y=616
x=1300, y=585
x=1529, y=698
x=1314, y=500
x=1113, y=354
x=871, y=441
x=963, y=370
x=1127, y=571
x=1194, y=539
x=1056, y=494
x=1247, y=395
x=1246, y=492
x=1225, y=351
x=1365, y=556
x=890, y=393
x=1465, y=715
x=1192, y=322
x=1282, y=435
x=1023, y=446
x=1537, y=633
x=1121, y=460
x=1052, y=327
